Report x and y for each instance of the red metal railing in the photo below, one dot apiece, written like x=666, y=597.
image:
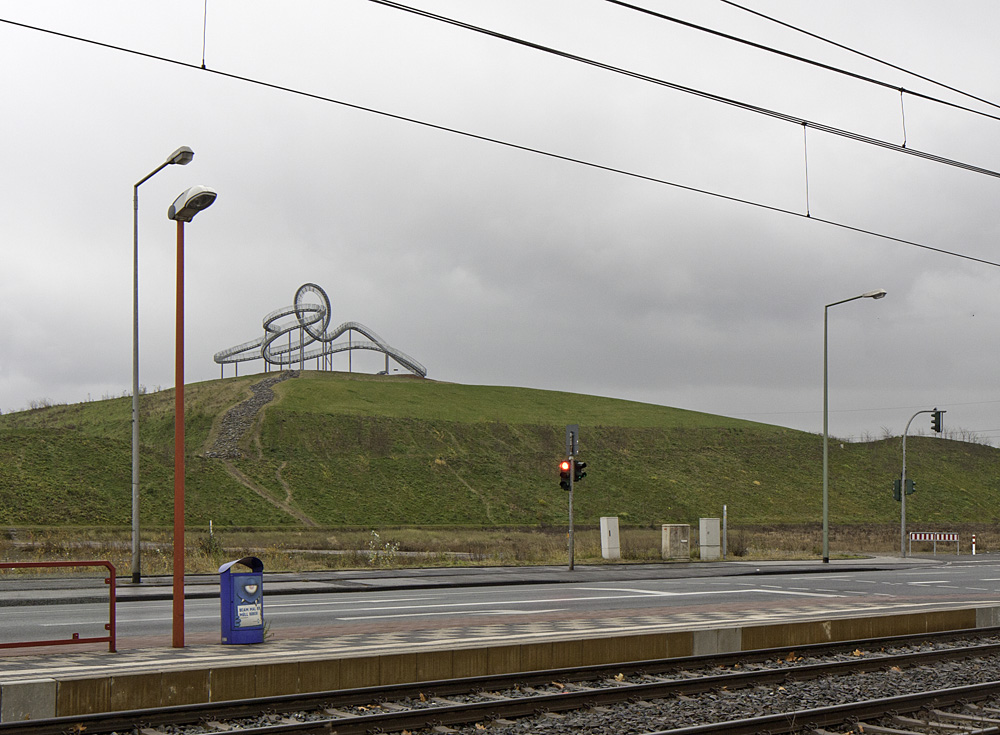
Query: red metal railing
x=109, y=580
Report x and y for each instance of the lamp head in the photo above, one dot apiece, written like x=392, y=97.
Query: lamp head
x=182, y=156
x=877, y=294
x=189, y=203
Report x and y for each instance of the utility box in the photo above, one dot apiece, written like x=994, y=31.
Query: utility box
x=709, y=539
x=610, y=544
x=676, y=541
x=242, y=598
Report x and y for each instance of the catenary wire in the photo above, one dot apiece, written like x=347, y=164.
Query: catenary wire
x=767, y=112
x=862, y=54
x=819, y=64
x=497, y=141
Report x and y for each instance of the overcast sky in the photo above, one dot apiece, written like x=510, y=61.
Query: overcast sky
x=493, y=265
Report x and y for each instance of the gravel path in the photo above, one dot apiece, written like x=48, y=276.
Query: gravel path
x=240, y=417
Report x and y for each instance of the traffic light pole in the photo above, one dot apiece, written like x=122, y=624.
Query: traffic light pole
x=936, y=425
x=571, y=473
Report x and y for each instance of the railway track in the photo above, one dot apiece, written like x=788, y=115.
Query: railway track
x=686, y=689
x=956, y=711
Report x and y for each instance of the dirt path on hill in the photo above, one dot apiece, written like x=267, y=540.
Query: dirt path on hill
x=233, y=427
x=265, y=495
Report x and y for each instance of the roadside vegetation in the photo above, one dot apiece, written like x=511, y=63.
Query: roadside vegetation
x=455, y=474
x=393, y=548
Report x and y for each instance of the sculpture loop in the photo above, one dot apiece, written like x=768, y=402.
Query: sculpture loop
x=311, y=323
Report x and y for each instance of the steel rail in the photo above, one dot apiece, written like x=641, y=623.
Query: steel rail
x=571, y=698
x=465, y=713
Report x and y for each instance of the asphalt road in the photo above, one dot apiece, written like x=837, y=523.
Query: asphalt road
x=519, y=610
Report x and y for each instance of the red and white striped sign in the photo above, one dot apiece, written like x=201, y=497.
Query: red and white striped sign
x=933, y=536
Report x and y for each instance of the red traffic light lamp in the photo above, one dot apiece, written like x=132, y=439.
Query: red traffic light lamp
x=565, y=467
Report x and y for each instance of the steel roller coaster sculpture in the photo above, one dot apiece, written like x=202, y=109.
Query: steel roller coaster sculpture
x=309, y=337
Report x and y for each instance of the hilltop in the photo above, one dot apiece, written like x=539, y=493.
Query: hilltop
x=339, y=449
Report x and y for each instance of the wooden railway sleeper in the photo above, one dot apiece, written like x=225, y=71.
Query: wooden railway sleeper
x=927, y=723
x=942, y=717
x=444, y=701
x=979, y=719
x=493, y=695
x=574, y=687
x=978, y=711
x=880, y=730
x=339, y=713
x=216, y=725
x=615, y=682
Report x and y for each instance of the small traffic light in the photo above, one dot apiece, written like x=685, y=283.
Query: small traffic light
x=578, y=473
x=911, y=487
x=564, y=474
x=936, y=420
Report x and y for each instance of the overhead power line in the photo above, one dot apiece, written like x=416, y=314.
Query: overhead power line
x=497, y=141
x=819, y=64
x=866, y=56
x=767, y=112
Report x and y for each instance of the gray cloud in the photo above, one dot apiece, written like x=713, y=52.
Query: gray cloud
x=492, y=265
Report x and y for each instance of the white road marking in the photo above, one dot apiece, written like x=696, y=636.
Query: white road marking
x=373, y=609
x=348, y=602
x=452, y=612
x=647, y=593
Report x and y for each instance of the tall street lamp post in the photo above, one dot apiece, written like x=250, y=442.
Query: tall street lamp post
x=184, y=208
x=878, y=294
x=182, y=156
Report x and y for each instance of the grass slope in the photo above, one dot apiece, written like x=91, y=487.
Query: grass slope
x=359, y=450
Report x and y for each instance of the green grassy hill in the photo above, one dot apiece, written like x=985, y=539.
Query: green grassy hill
x=360, y=450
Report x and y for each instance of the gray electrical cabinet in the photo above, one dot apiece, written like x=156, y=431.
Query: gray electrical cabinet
x=676, y=541
x=610, y=543
x=709, y=539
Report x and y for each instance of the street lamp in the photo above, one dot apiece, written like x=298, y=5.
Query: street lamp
x=184, y=208
x=182, y=156
x=877, y=294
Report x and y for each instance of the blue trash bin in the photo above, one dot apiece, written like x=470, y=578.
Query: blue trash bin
x=242, y=598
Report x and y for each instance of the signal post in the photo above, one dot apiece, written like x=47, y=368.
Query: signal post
x=907, y=486
x=570, y=473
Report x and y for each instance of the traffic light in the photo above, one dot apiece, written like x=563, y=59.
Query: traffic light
x=564, y=474
x=936, y=420
x=911, y=487
x=578, y=473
